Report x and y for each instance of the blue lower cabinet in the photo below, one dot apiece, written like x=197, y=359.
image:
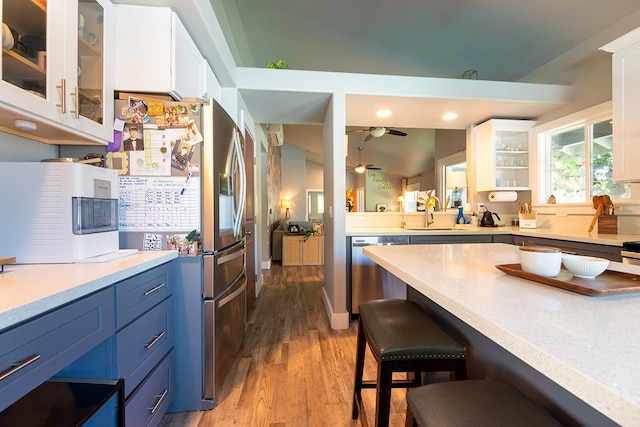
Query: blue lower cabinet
x=35, y=351
x=148, y=403
x=143, y=343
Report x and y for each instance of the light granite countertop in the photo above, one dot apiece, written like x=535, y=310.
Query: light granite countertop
x=588, y=345
x=28, y=290
x=569, y=235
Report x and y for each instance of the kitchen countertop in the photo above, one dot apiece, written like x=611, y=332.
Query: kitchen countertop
x=28, y=290
x=587, y=345
x=570, y=235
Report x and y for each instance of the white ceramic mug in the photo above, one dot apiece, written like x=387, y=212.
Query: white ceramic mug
x=92, y=37
x=42, y=58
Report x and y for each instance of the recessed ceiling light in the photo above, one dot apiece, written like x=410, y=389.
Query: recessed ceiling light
x=384, y=113
x=450, y=116
x=25, y=125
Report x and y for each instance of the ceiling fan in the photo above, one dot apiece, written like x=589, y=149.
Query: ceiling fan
x=378, y=131
x=360, y=168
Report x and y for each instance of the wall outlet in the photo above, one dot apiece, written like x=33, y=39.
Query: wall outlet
x=480, y=206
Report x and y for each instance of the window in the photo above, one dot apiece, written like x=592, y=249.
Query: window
x=578, y=162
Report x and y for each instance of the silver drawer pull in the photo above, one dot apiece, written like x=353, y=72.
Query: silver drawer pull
x=154, y=340
x=18, y=366
x=154, y=289
x=159, y=400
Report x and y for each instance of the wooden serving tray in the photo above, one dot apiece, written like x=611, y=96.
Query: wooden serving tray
x=608, y=283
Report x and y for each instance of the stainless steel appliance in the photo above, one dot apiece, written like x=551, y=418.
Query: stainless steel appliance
x=223, y=183
x=368, y=280
x=210, y=299
x=631, y=253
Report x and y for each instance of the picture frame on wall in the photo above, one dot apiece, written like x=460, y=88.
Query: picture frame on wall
x=381, y=207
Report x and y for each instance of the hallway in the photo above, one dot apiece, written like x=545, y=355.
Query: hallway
x=294, y=370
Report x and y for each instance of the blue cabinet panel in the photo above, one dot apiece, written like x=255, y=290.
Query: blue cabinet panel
x=142, y=344
x=147, y=405
x=138, y=294
x=37, y=350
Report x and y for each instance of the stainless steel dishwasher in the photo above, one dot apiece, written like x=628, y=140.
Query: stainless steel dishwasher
x=368, y=280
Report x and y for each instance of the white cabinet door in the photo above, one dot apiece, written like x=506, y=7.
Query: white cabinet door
x=171, y=64
x=626, y=102
x=29, y=87
x=502, y=153
x=55, y=74
x=188, y=63
x=89, y=68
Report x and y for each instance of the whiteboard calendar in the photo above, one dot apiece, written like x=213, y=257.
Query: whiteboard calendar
x=159, y=203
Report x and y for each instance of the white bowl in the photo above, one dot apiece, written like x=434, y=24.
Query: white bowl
x=541, y=260
x=7, y=37
x=585, y=267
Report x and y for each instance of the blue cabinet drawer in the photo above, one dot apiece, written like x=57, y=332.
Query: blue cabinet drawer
x=37, y=350
x=142, y=344
x=147, y=405
x=139, y=293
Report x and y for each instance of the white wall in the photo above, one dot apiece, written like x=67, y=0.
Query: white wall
x=16, y=149
x=293, y=180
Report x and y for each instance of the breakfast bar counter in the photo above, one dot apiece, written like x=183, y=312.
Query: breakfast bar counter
x=587, y=346
x=29, y=290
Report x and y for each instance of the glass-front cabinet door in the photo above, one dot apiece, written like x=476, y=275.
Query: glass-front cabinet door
x=92, y=95
x=32, y=54
x=54, y=64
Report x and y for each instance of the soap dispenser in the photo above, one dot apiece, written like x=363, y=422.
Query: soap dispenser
x=460, y=219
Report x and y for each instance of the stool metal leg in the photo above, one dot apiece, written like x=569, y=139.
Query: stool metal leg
x=361, y=347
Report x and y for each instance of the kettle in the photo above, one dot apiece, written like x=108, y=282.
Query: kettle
x=487, y=219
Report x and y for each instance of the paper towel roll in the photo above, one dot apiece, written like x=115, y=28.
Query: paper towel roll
x=503, y=196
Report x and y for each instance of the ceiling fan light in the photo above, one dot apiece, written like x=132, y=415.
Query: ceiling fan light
x=378, y=132
x=360, y=168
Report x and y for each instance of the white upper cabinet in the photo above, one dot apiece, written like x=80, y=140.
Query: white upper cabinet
x=502, y=152
x=168, y=62
x=626, y=104
x=55, y=67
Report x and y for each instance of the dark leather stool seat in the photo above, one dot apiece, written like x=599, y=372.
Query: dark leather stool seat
x=485, y=403
x=402, y=339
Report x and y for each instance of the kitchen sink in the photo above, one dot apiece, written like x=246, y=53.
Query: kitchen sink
x=436, y=228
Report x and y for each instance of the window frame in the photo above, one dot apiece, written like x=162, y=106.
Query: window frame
x=539, y=165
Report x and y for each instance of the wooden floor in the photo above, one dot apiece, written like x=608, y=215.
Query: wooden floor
x=293, y=370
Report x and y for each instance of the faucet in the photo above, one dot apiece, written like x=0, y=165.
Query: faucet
x=429, y=215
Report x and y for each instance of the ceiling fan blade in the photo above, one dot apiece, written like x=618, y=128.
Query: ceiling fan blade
x=358, y=130
x=368, y=137
x=373, y=168
x=396, y=132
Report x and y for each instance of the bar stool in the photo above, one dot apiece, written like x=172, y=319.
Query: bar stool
x=402, y=339
x=486, y=403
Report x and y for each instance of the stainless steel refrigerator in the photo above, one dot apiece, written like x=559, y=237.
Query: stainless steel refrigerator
x=210, y=293
x=223, y=184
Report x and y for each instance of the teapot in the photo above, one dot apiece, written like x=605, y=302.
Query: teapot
x=487, y=219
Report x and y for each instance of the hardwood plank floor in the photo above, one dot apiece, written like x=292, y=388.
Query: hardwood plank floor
x=293, y=369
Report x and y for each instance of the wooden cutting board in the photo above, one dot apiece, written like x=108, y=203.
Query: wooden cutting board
x=608, y=283
x=6, y=260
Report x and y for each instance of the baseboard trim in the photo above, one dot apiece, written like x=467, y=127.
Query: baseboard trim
x=337, y=320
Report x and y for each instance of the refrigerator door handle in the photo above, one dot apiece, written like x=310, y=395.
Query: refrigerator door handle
x=243, y=184
x=226, y=300
x=227, y=258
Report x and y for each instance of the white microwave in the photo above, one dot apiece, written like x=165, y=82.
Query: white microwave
x=57, y=212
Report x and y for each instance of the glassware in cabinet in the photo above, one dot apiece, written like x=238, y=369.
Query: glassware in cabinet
x=502, y=147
